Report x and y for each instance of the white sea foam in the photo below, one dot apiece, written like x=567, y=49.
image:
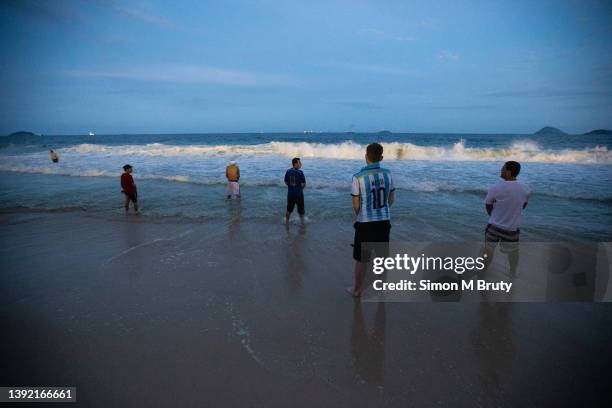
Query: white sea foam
x=452, y=168
x=20, y=168
x=523, y=151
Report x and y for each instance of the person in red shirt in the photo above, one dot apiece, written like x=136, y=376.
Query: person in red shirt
x=128, y=187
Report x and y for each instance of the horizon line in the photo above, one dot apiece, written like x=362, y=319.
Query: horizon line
x=304, y=132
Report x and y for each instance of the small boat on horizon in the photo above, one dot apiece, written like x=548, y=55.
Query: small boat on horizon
x=92, y=134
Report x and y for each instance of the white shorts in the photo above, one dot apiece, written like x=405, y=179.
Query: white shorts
x=233, y=188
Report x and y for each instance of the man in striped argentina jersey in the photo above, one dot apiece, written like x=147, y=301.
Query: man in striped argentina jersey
x=373, y=195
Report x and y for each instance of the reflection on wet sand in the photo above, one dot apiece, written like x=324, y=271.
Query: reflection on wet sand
x=235, y=216
x=295, y=265
x=368, y=349
x=492, y=340
x=217, y=312
x=510, y=249
x=133, y=237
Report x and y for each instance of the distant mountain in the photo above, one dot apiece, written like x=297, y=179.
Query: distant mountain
x=22, y=133
x=599, y=132
x=22, y=137
x=549, y=130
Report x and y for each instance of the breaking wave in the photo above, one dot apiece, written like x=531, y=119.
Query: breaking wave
x=524, y=151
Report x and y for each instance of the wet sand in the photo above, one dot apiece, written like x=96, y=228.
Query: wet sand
x=238, y=313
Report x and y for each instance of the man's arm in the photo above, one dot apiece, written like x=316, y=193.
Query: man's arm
x=391, y=190
x=303, y=180
x=238, y=175
x=527, y=199
x=356, y=205
x=490, y=200
x=227, y=173
x=287, y=177
x=355, y=192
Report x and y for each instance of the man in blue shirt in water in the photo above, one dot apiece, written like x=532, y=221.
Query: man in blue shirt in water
x=373, y=194
x=296, y=182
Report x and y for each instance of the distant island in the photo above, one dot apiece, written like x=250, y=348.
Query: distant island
x=549, y=130
x=599, y=132
x=385, y=132
x=22, y=133
x=22, y=137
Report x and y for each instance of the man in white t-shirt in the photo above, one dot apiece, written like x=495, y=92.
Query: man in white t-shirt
x=504, y=203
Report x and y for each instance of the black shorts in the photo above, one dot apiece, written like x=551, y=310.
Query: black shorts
x=292, y=201
x=508, y=239
x=132, y=196
x=494, y=234
x=376, y=231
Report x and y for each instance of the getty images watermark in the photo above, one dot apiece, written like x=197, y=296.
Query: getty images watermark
x=471, y=272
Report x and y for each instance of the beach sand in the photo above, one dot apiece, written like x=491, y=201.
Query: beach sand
x=239, y=313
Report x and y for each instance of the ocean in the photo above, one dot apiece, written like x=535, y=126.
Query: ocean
x=441, y=179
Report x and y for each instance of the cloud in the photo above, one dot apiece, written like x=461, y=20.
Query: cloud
x=602, y=76
x=522, y=62
x=59, y=11
x=544, y=92
x=118, y=40
x=138, y=13
x=446, y=55
x=379, y=69
x=358, y=105
x=583, y=19
x=68, y=11
x=426, y=23
x=141, y=15
x=189, y=74
x=606, y=103
x=376, y=69
x=466, y=106
x=384, y=35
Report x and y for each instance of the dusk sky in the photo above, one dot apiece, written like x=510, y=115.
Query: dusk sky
x=70, y=67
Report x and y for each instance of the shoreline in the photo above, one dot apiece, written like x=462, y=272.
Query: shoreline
x=435, y=215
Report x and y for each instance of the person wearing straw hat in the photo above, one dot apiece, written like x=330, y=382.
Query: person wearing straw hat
x=232, y=173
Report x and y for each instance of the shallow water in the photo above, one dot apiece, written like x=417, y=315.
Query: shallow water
x=441, y=179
